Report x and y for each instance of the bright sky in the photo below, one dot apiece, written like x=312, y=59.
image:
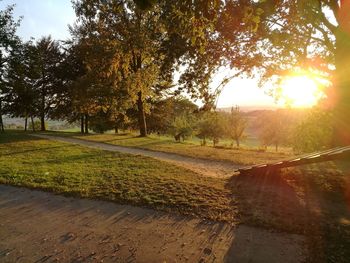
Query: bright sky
x=51, y=17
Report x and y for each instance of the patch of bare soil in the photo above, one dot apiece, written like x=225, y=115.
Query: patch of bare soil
x=41, y=227
x=204, y=167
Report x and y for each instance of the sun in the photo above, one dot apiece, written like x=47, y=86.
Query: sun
x=301, y=91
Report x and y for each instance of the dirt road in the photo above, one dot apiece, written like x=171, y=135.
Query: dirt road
x=201, y=166
x=42, y=227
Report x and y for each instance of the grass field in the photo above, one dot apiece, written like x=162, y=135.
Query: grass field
x=191, y=148
x=313, y=200
x=71, y=169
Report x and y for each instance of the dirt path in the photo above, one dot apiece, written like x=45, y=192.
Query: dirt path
x=41, y=227
x=201, y=166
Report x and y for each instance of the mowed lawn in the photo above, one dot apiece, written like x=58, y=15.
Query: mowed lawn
x=79, y=171
x=191, y=147
x=312, y=200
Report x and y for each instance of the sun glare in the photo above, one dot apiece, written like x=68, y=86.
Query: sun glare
x=300, y=91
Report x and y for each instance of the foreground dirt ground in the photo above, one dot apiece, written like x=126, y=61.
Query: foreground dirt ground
x=41, y=227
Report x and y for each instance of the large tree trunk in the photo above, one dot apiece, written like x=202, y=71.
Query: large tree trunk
x=82, y=124
x=42, y=122
x=42, y=113
x=142, y=117
x=86, y=123
x=1, y=120
x=342, y=88
x=33, y=126
x=25, y=123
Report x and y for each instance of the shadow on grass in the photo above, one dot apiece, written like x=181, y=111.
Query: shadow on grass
x=313, y=201
x=67, y=159
x=11, y=136
x=35, y=150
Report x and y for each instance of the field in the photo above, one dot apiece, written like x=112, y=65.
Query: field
x=313, y=200
x=191, y=147
x=74, y=170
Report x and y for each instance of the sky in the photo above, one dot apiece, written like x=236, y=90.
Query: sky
x=52, y=17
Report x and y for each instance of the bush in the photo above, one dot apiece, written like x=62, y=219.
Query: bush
x=101, y=122
x=182, y=127
x=211, y=126
x=314, y=133
x=37, y=125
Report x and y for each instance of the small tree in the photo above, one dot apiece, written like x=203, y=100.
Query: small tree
x=211, y=126
x=181, y=128
x=314, y=133
x=101, y=122
x=274, y=129
x=8, y=40
x=236, y=125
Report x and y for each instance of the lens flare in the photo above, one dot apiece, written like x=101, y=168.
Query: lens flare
x=301, y=91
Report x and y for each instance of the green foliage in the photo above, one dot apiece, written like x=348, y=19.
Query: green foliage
x=236, y=125
x=211, y=126
x=275, y=128
x=163, y=113
x=8, y=37
x=8, y=41
x=37, y=125
x=101, y=122
x=182, y=127
x=31, y=79
x=314, y=133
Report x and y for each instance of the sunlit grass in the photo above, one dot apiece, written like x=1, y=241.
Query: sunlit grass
x=71, y=169
x=190, y=147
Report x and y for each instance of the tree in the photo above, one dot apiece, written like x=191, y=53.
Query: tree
x=314, y=133
x=153, y=39
x=209, y=36
x=20, y=95
x=211, y=126
x=92, y=84
x=71, y=92
x=135, y=36
x=312, y=35
x=164, y=111
x=182, y=127
x=8, y=40
x=274, y=129
x=46, y=58
x=236, y=125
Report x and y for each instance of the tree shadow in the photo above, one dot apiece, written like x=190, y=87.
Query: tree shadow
x=90, y=225
x=312, y=201
x=12, y=136
x=268, y=200
x=36, y=150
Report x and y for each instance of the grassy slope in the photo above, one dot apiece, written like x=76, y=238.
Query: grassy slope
x=190, y=148
x=71, y=169
x=313, y=200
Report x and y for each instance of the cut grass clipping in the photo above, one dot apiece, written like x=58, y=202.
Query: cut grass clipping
x=126, y=179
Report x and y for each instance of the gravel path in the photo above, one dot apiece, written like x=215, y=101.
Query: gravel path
x=201, y=166
x=42, y=227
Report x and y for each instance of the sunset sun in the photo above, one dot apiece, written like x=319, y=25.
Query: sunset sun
x=300, y=91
